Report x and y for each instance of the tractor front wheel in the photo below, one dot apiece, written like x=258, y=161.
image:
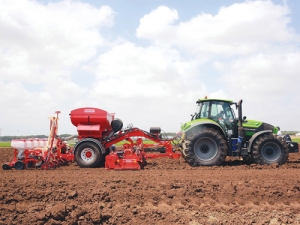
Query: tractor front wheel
x=269, y=149
x=205, y=148
x=88, y=155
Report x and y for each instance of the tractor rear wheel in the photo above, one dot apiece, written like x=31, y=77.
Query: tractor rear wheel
x=205, y=148
x=88, y=155
x=269, y=149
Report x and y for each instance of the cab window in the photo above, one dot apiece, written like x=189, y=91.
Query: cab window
x=204, y=110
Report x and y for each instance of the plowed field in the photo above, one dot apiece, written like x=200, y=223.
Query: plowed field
x=166, y=192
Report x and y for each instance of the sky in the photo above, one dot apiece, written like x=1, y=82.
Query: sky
x=147, y=61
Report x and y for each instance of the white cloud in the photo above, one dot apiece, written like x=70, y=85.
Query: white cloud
x=157, y=25
x=148, y=72
x=268, y=85
x=239, y=29
x=40, y=48
x=260, y=74
x=247, y=50
x=39, y=38
x=139, y=84
x=55, y=57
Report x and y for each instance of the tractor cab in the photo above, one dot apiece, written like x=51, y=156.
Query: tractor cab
x=218, y=110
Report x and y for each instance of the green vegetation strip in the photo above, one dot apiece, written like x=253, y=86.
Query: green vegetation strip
x=123, y=142
x=5, y=144
x=296, y=139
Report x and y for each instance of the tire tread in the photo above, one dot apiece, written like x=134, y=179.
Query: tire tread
x=188, y=148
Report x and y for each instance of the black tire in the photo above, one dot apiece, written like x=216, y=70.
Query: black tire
x=269, y=149
x=88, y=155
x=19, y=165
x=6, y=167
x=205, y=148
x=116, y=125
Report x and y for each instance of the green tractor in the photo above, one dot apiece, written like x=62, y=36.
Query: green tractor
x=214, y=132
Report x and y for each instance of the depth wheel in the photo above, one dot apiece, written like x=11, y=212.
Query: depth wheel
x=269, y=149
x=45, y=166
x=205, y=148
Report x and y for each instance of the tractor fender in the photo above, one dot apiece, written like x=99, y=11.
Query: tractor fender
x=97, y=142
x=255, y=136
x=207, y=123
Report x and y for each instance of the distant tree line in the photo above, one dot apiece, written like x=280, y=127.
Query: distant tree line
x=169, y=134
x=290, y=132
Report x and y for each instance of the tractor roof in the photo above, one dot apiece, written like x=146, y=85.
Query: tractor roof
x=205, y=99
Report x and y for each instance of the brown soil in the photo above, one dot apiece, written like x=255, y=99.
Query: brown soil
x=166, y=192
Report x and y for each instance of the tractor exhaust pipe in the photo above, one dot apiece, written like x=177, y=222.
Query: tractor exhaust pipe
x=240, y=114
x=241, y=130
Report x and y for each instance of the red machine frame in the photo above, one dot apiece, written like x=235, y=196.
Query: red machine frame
x=98, y=132
x=133, y=155
x=54, y=153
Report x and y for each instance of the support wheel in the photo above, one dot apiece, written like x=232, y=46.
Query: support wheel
x=207, y=147
x=88, y=155
x=6, y=167
x=269, y=149
x=19, y=165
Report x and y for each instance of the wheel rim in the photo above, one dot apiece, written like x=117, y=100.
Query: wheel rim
x=271, y=151
x=206, y=149
x=87, y=154
x=45, y=166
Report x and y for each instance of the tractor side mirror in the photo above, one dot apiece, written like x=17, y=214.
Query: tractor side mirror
x=193, y=116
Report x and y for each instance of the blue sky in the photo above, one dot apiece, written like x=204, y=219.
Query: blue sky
x=146, y=61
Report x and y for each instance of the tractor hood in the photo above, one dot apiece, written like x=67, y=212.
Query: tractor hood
x=253, y=126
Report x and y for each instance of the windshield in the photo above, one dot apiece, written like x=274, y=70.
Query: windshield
x=202, y=110
x=221, y=110
x=233, y=113
x=215, y=110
